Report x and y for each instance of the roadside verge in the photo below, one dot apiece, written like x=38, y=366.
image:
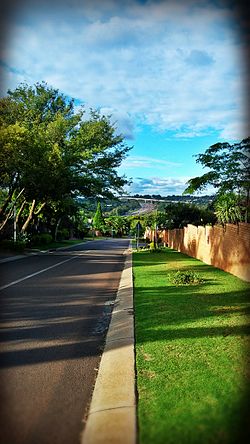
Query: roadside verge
x=112, y=413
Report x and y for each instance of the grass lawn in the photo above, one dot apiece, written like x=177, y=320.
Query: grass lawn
x=191, y=352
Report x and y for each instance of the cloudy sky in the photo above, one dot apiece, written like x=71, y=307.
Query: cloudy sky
x=172, y=74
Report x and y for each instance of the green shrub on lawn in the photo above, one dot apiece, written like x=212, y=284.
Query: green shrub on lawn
x=153, y=248
x=185, y=278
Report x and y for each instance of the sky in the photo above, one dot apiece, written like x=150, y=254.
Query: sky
x=171, y=74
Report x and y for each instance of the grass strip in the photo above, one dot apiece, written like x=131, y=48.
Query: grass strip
x=192, y=356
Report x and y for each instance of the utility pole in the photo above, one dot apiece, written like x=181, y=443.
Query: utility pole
x=138, y=234
x=155, y=230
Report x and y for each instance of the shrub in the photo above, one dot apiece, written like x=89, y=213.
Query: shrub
x=62, y=234
x=42, y=239
x=153, y=248
x=185, y=278
x=10, y=245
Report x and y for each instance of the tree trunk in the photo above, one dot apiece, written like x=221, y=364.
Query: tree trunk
x=10, y=212
x=29, y=218
x=9, y=215
x=57, y=226
x=38, y=211
x=32, y=212
x=20, y=211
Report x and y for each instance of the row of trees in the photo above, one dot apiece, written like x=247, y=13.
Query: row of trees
x=50, y=154
x=175, y=215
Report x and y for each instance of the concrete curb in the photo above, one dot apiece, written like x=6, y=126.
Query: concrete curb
x=112, y=413
x=12, y=258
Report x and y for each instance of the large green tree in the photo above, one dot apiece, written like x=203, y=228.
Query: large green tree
x=50, y=152
x=228, y=172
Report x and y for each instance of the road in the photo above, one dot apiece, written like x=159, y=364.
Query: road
x=55, y=311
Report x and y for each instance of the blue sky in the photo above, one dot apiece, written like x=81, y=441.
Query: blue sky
x=170, y=73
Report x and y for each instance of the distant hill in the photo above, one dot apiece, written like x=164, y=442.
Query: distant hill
x=132, y=204
x=175, y=198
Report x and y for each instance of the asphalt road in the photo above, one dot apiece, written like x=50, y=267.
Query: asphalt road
x=55, y=311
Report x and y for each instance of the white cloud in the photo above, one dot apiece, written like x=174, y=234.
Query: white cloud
x=174, y=65
x=163, y=186
x=156, y=185
x=148, y=162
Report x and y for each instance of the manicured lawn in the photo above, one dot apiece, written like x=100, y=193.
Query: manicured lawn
x=191, y=352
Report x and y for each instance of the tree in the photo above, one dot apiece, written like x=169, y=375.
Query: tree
x=229, y=172
x=118, y=225
x=49, y=152
x=98, y=220
x=227, y=208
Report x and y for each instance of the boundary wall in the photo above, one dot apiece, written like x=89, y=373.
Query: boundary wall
x=227, y=248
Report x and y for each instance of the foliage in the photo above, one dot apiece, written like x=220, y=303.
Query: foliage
x=185, y=278
x=117, y=225
x=98, y=220
x=10, y=245
x=41, y=239
x=153, y=247
x=227, y=208
x=50, y=153
x=180, y=214
x=133, y=221
x=63, y=234
x=229, y=171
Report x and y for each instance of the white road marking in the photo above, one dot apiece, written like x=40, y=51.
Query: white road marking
x=37, y=272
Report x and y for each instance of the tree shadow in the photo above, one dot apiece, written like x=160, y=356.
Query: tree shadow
x=59, y=317
x=170, y=314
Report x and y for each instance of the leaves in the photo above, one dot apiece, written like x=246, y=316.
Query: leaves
x=229, y=172
x=47, y=148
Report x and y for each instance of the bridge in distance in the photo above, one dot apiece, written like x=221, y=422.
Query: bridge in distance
x=143, y=199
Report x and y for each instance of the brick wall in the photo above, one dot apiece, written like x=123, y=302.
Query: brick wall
x=226, y=247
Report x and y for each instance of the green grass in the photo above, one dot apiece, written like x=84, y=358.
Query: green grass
x=191, y=352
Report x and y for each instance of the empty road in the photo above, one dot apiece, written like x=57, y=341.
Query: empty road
x=55, y=311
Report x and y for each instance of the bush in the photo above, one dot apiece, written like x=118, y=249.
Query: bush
x=62, y=234
x=154, y=248
x=42, y=239
x=185, y=278
x=10, y=245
